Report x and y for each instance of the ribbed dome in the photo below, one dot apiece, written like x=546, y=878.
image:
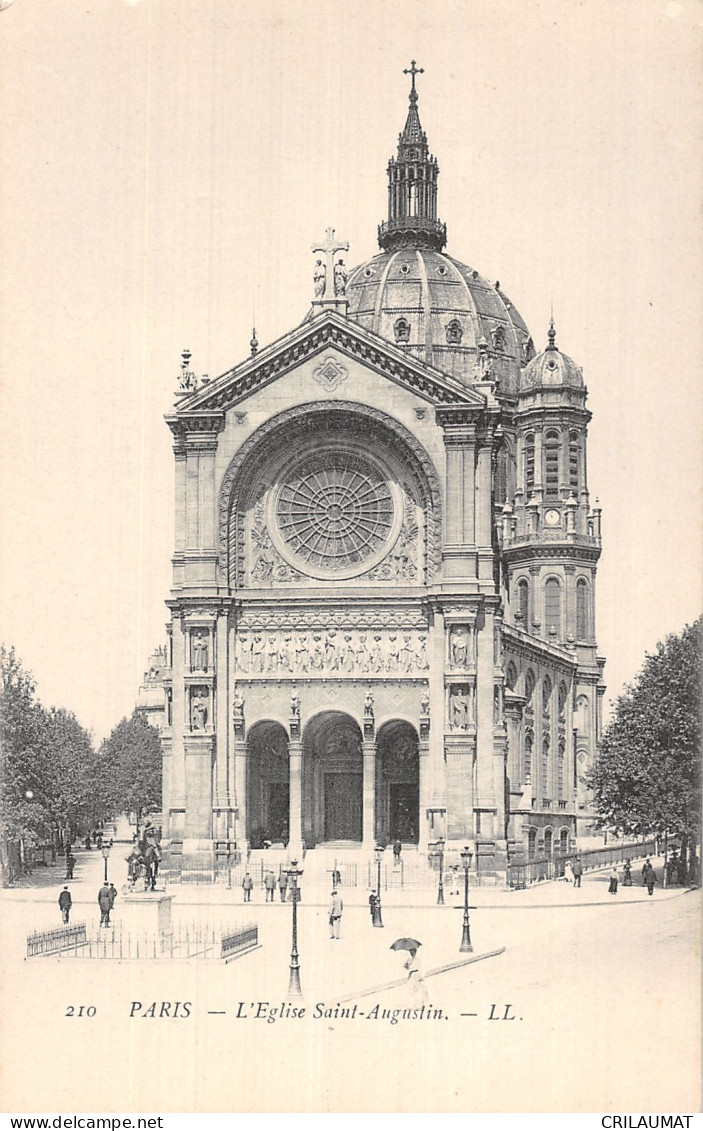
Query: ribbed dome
x=551, y=367
x=442, y=312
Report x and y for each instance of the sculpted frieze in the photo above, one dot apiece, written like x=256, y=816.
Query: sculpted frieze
x=329, y=652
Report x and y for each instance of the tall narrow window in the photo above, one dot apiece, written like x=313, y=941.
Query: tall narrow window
x=511, y=676
x=561, y=757
x=413, y=199
x=523, y=601
x=528, y=756
x=547, y=696
x=574, y=461
x=561, y=700
x=545, y=767
x=529, y=688
x=581, y=609
x=551, y=464
x=529, y=463
x=552, y=607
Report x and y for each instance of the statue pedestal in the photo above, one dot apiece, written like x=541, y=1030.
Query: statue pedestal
x=144, y=913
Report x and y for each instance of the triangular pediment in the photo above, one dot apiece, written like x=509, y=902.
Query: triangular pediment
x=312, y=338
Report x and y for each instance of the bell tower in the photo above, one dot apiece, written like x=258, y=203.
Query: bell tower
x=551, y=539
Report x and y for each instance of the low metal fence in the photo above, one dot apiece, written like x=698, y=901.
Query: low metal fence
x=192, y=940
x=524, y=872
x=239, y=941
x=56, y=940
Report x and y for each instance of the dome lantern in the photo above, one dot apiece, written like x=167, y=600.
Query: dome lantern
x=412, y=187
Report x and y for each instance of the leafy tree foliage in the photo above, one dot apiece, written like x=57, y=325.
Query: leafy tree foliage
x=647, y=778
x=48, y=768
x=129, y=767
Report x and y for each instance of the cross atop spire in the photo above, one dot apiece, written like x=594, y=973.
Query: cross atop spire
x=413, y=70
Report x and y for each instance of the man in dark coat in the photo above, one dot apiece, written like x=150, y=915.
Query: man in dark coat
x=247, y=885
x=70, y=864
x=577, y=868
x=270, y=885
x=397, y=849
x=105, y=904
x=282, y=885
x=65, y=902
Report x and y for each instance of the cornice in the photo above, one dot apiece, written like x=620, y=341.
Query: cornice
x=330, y=329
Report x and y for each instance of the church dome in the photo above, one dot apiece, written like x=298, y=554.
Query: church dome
x=551, y=367
x=443, y=312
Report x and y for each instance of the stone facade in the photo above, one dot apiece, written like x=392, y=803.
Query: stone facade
x=383, y=601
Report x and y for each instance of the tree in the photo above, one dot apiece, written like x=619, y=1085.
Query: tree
x=129, y=767
x=647, y=778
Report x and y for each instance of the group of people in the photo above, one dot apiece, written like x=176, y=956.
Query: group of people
x=270, y=885
x=573, y=871
x=106, y=901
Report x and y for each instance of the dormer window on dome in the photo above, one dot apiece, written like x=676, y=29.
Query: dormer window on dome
x=454, y=332
x=401, y=329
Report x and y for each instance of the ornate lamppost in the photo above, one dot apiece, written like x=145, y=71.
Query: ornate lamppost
x=106, y=854
x=294, y=989
x=439, y=845
x=377, y=918
x=466, y=935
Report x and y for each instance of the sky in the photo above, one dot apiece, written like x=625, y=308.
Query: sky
x=165, y=167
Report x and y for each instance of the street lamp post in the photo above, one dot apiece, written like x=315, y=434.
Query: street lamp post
x=466, y=934
x=440, y=883
x=294, y=989
x=377, y=917
x=106, y=853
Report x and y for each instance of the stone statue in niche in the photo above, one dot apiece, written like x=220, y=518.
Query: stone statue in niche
x=272, y=655
x=362, y=654
x=237, y=704
x=376, y=656
x=200, y=649
x=459, y=647
x=368, y=705
x=295, y=704
x=393, y=658
x=408, y=655
x=459, y=708
x=243, y=652
x=422, y=661
x=257, y=653
x=348, y=655
x=331, y=651
x=302, y=654
x=199, y=710
x=425, y=704
x=317, y=662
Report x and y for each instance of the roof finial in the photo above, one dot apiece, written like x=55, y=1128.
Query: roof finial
x=254, y=343
x=412, y=71
x=551, y=333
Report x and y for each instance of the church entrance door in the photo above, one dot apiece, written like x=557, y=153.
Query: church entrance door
x=268, y=787
x=397, y=783
x=332, y=780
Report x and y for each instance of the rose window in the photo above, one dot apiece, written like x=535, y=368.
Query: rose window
x=334, y=512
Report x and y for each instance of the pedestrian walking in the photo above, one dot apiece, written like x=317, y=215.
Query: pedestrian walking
x=65, y=902
x=577, y=868
x=651, y=880
x=88, y=842
x=646, y=868
x=105, y=902
x=336, y=878
x=627, y=874
x=397, y=849
x=70, y=865
x=270, y=885
x=282, y=885
x=113, y=895
x=372, y=906
x=247, y=885
x=336, y=909
x=613, y=881
x=568, y=872
x=417, y=993
x=99, y=841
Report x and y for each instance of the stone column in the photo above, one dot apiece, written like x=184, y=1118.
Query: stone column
x=221, y=715
x=239, y=757
x=424, y=777
x=484, y=518
x=369, y=794
x=295, y=785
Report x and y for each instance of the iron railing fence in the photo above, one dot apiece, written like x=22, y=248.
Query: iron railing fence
x=55, y=940
x=524, y=872
x=186, y=940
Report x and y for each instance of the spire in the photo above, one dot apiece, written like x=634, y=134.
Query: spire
x=551, y=334
x=412, y=186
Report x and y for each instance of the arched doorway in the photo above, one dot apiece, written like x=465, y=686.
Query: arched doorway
x=332, y=780
x=547, y=842
x=268, y=789
x=397, y=783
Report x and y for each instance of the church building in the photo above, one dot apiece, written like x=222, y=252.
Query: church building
x=383, y=601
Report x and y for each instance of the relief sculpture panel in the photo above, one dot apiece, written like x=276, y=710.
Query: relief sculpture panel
x=331, y=652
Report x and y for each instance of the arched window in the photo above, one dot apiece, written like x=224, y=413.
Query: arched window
x=529, y=741
x=546, y=695
x=454, y=332
x=551, y=464
x=581, y=609
x=511, y=676
x=523, y=602
x=529, y=688
x=562, y=697
x=498, y=335
x=561, y=757
x=401, y=328
x=529, y=463
x=552, y=607
x=531, y=841
x=545, y=764
x=574, y=461
x=564, y=841
x=547, y=842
